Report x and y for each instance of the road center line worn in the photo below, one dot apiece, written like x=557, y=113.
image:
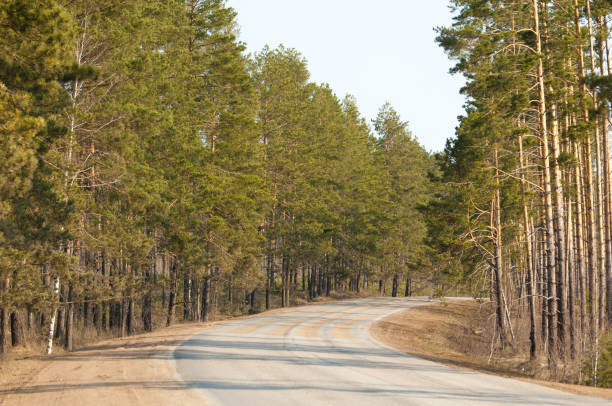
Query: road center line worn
x=324, y=355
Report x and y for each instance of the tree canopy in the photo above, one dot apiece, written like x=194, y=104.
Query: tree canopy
x=151, y=171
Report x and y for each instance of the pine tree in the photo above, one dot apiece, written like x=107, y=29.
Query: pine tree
x=149, y=166
x=519, y=58
x=33, y=51
x=406, y=166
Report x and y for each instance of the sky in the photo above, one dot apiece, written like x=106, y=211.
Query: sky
x=378, y=51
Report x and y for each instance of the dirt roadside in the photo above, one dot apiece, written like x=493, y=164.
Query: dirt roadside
x=121, y=371
x=451, y=334
x=134, y=370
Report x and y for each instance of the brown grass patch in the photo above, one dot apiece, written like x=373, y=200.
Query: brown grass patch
x=459, y=334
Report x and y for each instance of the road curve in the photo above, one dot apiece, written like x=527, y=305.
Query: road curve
x=323, y=355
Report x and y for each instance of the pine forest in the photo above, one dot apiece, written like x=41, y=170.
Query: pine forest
x=153, y=172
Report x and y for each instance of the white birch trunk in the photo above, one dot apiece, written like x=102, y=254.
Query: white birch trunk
x=53, y=317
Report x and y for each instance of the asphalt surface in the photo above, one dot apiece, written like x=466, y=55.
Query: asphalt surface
x=323, y=355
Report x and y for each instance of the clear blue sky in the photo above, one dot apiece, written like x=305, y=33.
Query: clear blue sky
x=379, y=51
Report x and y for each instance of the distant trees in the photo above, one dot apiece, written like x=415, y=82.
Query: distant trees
x=406, y=168
x=150, y=172
x=526, y=198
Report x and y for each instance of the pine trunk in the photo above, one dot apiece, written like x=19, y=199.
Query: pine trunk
x=395, y=285
x=172, y=296
x=130, y=327
x=205, y=298
x=69, y=320
x=580, y=247
x=498, y=270
x=187, y=313
x=547, y=186
x=17, y=331
x=5, y=330
x=529, y=260
x=607, y=180
x=559, y=283
x=598, y=194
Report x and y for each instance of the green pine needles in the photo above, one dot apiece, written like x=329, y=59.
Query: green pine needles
x=152, y=172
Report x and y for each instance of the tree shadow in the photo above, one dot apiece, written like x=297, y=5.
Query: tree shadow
x=257, y=387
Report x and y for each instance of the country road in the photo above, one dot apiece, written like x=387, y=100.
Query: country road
x=323, y=355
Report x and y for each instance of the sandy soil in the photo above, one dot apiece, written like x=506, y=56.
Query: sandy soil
x=104, y=373
x=452, y=334
x=134, y=370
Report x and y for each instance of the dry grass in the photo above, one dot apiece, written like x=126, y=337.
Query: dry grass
x=459, y=334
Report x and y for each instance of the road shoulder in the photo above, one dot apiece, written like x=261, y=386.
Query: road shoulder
x=442, y=333
x=132, y=370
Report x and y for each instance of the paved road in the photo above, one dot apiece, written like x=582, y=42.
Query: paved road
x=323, y=355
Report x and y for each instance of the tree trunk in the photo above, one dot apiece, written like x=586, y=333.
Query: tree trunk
x=205, y=298
x=5, y=330
x=52, y=319
x=230, y=291
x=570, y=288
x=172, y=296
x=60, y=324
x=499, y=264
x=547, y=183
x=106, y=315
x=395, y=283
x=196, y=297
x=598, y=185
x=580, y=248
x=187, y=297
x=529, y=261
x=69, y=319
x=603, y=176
x=30, y=321
x=607, y=181
x=17, y=332
x=284, y=281
x=147, y=319
x=214, y=299
x=268, y=280
x=130, y=327
x=252, y=299
x=559, y=283
x=147, y=304
x=164, y=272
x=557, y=322
x=592, y=249
x=589, y=203
x=311, y=283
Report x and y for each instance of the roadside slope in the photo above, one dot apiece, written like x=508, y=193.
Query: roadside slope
x=454, y=334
